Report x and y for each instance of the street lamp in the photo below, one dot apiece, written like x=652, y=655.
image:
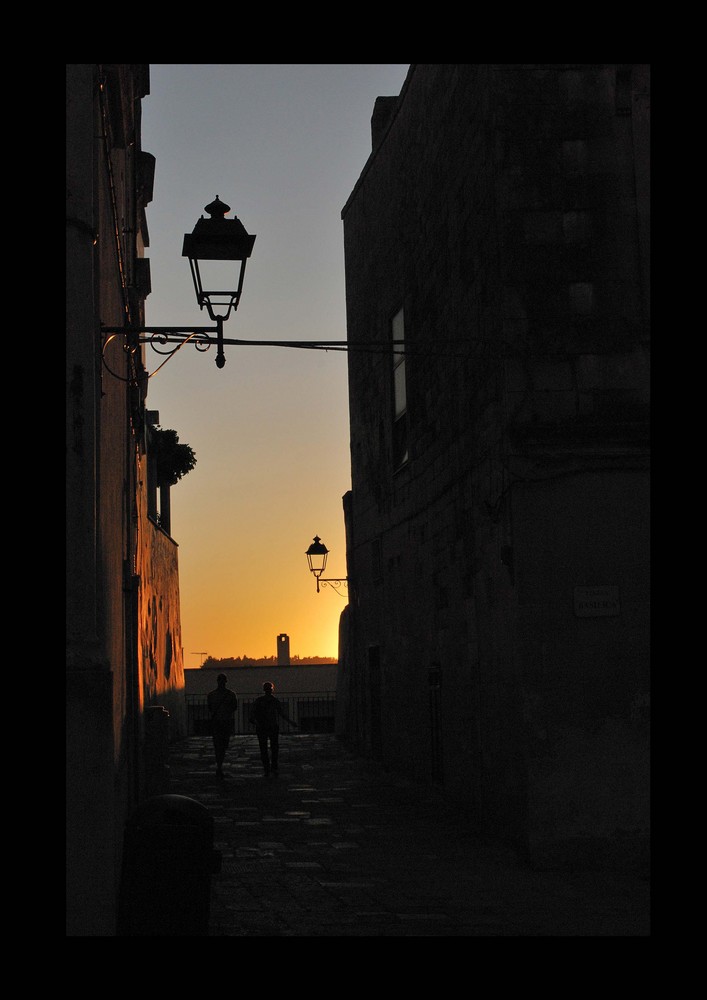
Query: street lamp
x=316, y=559
x=214, y=239
x=217, y=239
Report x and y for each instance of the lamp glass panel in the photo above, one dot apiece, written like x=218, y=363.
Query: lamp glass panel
x=317, y=563
x=219, y=275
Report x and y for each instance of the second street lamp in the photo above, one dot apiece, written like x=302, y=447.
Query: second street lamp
x=316, y=559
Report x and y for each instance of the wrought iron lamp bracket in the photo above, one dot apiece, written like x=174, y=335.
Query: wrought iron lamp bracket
x=159, y=337
x=334, y=583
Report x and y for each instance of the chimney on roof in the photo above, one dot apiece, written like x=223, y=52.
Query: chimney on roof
x=383, y=111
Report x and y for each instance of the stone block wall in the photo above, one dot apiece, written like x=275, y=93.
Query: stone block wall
x=499, y=211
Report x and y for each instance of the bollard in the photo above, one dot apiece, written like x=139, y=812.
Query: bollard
x=168, y=860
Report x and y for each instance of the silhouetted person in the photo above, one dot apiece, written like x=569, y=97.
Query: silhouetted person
x=264, y=715
x=222, y=704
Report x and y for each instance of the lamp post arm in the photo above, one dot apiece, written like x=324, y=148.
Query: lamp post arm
x=203, y=337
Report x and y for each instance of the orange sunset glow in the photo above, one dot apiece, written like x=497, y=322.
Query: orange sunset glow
x=283, y=146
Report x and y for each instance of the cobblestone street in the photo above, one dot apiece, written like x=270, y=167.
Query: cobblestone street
x=337, y=847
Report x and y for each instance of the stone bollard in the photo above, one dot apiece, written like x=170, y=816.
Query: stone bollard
x=168, y=861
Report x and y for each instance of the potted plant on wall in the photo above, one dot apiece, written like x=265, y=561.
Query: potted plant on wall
x=168, y=461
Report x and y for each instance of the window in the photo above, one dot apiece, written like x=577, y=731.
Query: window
x=400, y=419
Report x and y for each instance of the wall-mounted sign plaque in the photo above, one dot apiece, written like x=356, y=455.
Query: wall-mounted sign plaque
x=592, y=602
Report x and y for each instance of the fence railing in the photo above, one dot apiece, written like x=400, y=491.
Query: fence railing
x=313, y=712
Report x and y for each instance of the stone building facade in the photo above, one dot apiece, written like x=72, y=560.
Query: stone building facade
x=496, y=641
x=124, y=661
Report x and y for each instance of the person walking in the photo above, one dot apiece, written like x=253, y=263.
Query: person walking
x=264, y=714
x=222, y=704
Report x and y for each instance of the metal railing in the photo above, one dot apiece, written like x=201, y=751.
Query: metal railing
x=314, y=712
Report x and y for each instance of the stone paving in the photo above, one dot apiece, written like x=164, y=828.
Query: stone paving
x=337, y=847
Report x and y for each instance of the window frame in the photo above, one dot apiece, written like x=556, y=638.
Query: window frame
x=400, y=431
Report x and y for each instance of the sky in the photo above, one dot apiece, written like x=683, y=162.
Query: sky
x=283, y=146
